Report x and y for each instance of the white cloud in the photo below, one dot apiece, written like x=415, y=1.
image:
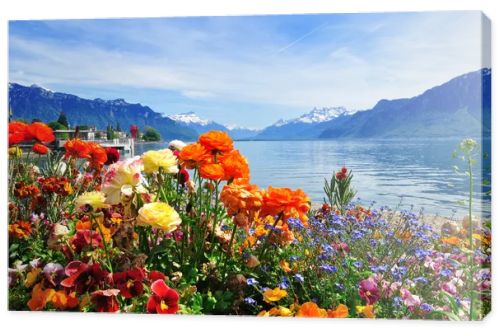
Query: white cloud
x=400, y=59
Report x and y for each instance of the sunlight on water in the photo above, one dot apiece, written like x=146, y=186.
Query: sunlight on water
x=418, y=173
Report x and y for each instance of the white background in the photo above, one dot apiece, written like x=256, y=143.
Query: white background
x=37, y=322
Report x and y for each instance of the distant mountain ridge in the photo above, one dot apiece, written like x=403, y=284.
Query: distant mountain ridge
x=460, y=107
x=200, y=125
x=35, y=102
x=306, y=126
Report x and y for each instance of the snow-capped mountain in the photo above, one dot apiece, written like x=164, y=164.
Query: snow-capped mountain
x=317, y=115
x=200, y=125
x=195, y=122
x=190, y=118
x=305, y=126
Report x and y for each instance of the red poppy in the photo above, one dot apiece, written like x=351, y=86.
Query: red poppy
x=113, y=155
x=368, y=290
x=86, y=238
x=18, y=132
x=41, y=132
x=105, y=300
x=163, y=300
x=83, y=277
x=40, y=149
x=130, y=282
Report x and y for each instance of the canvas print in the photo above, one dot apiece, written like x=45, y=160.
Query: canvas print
x=329, y=165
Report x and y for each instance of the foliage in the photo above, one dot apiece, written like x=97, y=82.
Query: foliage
x=150, y=134
x=58, y=126
x=63, y=120
x=339, y=191
x=183, y=230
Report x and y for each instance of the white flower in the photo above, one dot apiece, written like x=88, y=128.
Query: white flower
x=177, y=144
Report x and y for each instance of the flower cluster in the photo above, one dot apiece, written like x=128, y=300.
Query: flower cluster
x=183, y=230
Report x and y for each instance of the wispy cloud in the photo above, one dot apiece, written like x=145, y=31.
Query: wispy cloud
x=248, y=70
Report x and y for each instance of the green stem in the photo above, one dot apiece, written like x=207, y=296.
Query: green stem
x=214, y=224
x=228, y=253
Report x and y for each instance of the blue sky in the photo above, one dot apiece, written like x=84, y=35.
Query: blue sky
x=251, y=70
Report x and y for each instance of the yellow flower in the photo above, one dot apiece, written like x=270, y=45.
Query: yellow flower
x=263, y=313
x=94, y=199
x=159, y=215
x=367, y=311
x=15, y=152
x=274, y=295
x=31, y=277
x=280, y=311
x=285, y=266
x=165, y=159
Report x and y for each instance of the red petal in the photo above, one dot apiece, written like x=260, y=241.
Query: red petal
x=151, y=305
x=160, y=289
x=74, y=267
x=172, y=297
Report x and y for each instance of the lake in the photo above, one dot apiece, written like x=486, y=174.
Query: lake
x=416, y=173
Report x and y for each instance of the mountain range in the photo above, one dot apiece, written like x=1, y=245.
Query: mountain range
x=460, y=107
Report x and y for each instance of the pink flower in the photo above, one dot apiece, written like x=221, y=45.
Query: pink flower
x=449, y=287
x=411, y=301
x=368, y=290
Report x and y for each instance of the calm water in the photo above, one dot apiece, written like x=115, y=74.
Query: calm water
x=418, y=173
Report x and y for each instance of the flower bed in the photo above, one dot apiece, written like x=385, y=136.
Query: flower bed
x=183, y=230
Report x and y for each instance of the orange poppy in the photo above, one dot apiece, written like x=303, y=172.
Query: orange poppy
x=41, y=132
x=77, y=148
x=235, y=166
x=238, y=196
x=193, y=155
x=40, y=149
x=18, y=132
x=311, y=310
x=289, y=203
x=340, y=312
x=97, y=155
x=212, y=172
x=216, y=141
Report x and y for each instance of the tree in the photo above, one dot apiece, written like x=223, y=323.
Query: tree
x=63, y=120
x=118, y=128
x=58, y=126
x=151, y=134
x=110, y=134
